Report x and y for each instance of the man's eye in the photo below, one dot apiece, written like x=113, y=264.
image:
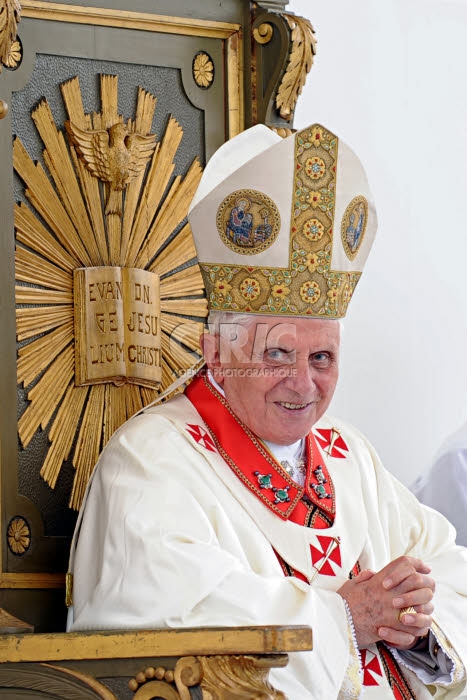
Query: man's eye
x=321, y=357
x=277, y=355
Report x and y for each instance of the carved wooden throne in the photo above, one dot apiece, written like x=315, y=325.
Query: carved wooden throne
x=107, y=117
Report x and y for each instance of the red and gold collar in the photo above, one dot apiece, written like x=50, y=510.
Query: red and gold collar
x=249, y=458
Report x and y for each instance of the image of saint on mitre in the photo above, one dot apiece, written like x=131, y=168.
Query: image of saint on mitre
x=239, y=228
x=356, y=227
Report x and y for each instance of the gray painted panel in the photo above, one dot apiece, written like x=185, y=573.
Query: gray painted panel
x=220, y=10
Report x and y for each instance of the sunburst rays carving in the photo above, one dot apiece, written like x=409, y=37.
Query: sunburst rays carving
x=67, y=227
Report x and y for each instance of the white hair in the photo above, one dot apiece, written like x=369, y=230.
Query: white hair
x=218, y=321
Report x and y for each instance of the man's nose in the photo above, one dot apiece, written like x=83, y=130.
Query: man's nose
x=301, y=376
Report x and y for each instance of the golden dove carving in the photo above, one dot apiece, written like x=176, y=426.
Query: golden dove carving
x=10, y=16
x=114, y=155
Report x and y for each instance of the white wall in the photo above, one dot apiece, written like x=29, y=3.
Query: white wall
x=390, y=78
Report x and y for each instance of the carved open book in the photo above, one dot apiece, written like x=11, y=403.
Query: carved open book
x=117, y=326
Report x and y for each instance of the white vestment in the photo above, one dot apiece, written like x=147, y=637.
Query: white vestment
x=172, y=537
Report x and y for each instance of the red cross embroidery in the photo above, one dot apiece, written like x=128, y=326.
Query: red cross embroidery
x=332, y=442
x=371, y=667
x=320, y=558
x=202, y=437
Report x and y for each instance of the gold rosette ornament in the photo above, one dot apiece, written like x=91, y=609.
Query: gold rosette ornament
x=18, y=535
x=203, y=70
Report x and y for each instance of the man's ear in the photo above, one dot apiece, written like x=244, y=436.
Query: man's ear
x=210, y=347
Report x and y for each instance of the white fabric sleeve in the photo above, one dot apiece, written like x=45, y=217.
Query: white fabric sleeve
x=432, y=665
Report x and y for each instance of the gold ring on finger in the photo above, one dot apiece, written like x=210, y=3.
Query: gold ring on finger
x=410, y=610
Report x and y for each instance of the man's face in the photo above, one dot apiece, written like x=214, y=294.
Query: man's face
x=278, y=376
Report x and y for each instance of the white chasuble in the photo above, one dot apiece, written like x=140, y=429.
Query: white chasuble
x=190, y=521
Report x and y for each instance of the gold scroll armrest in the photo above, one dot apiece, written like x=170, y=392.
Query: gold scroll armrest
x=205, y=663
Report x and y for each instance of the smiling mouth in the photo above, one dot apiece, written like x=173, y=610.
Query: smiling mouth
x=292, y=406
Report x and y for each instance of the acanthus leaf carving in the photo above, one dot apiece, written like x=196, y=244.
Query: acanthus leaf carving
x=301, y=58
x=239, y=677
x=10, y=16
x=219, y=677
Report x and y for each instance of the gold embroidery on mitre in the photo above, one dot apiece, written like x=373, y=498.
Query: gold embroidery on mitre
x=248, y=221
x=315, y=167
x=250, y=288
x=353, y=225
x=308, y=286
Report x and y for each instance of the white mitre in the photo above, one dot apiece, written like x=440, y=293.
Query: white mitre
x=283, y=226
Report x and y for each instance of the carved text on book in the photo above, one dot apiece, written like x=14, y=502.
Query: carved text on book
x=117, y=326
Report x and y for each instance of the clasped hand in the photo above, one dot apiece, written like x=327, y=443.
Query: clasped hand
x=376, y=599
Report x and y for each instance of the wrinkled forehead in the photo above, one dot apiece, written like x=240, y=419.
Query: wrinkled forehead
x=280, y=330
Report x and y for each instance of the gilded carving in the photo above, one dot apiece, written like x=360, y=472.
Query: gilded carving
x=165, y=683
x=115, y=155
x=9, y=624
x=282, y=131
x=187, y=673
x=220, y=677
x=235, y=677
x=303, y=50
x=117, y=326
x=15, y=56
x=263, y=33
x=203, y=70
x=18, y=535
x=136, y=222
x=129, y=19
x=53, y=682
x=92, y=687
x=10, y=16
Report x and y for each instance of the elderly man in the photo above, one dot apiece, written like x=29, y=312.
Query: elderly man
x=239, y=501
